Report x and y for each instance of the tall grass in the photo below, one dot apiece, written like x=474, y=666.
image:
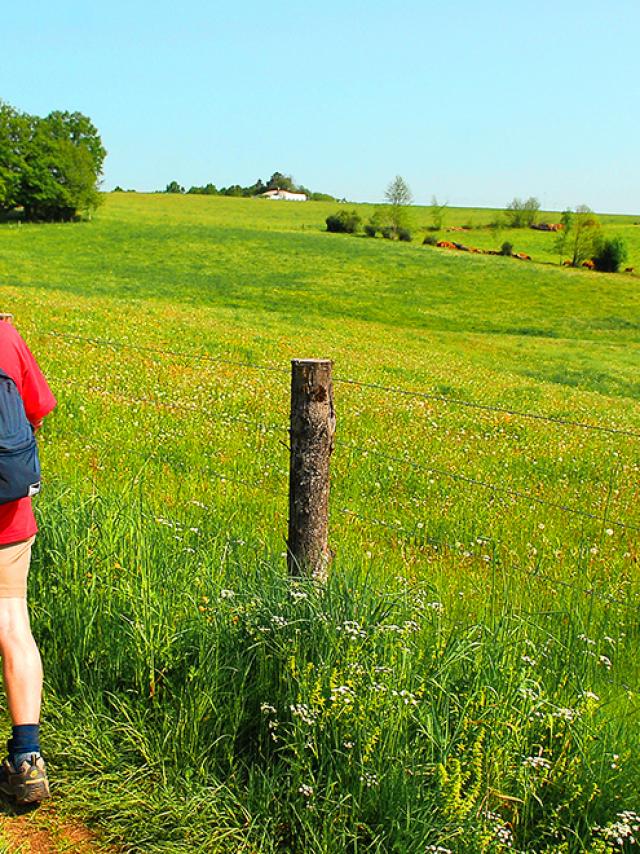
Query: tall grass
x=250, y=712
x=468, y=678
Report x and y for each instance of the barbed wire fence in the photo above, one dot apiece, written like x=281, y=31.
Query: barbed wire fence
x=282, y=432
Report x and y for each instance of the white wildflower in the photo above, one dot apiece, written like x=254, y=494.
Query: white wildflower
x=370, y=779
x=352, y=629
x=343, y=694
x=302, y=711
x=407, y=697
x=565, y=714
x=624, y=829
x=537, y=763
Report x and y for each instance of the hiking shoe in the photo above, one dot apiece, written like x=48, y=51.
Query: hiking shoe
x=28, y=784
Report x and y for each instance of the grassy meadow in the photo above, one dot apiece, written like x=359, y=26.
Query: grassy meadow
x=468, y=679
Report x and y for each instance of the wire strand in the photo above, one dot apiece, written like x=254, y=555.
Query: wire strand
x=486, y=407
x=185, y=407
x=205, y=357
x=499, y=490
x=454, y=401
x=537, y=573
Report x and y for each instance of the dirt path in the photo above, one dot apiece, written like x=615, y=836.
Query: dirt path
x=43, y=831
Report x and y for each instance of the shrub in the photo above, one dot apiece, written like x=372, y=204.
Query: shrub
x=610, y=255
x=522, y=214
x=430, y=240
x=405, y=235
x=174, y=187
x=370, y=230
x=506, y=248
x=321, y=197
x=344, y=222
x=387, y=232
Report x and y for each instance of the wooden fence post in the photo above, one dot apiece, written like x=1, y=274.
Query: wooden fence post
x=312, y=428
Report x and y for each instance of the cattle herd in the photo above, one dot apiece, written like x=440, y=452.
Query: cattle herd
x=448, y=244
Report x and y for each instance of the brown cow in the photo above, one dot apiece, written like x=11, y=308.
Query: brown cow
x=589, y=264
x=628, y=269
x=567, y=263
x=522, y=256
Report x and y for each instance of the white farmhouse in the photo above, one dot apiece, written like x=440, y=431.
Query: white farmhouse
x=284, y=195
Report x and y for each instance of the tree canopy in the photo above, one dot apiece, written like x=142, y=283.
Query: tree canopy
x=579, y=236
x=50, y=167
x=278, y=181
x=399, y=196
x=522, y=213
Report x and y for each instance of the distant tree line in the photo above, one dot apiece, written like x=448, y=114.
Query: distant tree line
x=389, y=220
x=49, y=167
x=278, y=181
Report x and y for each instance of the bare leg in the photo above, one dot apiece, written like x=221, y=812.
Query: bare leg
x=21, y=664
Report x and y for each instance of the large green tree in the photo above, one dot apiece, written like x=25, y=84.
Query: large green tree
x=15, y=132
x=580, y=234
x=49, y=166
x=279, y=181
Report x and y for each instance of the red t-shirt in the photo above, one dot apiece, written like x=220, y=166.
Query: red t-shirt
x=17, y=521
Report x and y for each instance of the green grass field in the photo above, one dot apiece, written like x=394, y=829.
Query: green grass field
x=469, y=677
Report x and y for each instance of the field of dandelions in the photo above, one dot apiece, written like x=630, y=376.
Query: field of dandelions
x=467, y=680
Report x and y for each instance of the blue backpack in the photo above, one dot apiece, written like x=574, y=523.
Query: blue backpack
x=19, y=463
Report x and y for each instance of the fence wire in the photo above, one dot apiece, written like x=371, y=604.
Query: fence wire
x=487, y=407
x=181, y=407
x=418, y=538
x=417, y=535
x=499, y=490
x=412, y=393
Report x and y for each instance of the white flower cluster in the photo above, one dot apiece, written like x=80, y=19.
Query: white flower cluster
x=502, y=833
x=306, y=791
x=352, y=629
x=343, y=693
x=568, y=715
x=538, y=763
x=302, y=711
x=623, y=830
x=370, y=779
x=407, y=697
x=529, y=693
x=410, y=626
x=267, y=709
x=438, y=849
x=438, y=607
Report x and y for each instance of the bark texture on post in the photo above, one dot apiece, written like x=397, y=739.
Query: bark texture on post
x=313, y=424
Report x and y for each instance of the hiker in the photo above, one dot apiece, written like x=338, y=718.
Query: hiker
x=23, y=773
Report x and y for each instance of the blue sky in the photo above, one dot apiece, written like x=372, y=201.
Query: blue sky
x=475, y=102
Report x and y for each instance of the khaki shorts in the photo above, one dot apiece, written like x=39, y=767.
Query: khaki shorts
x=14, y=568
